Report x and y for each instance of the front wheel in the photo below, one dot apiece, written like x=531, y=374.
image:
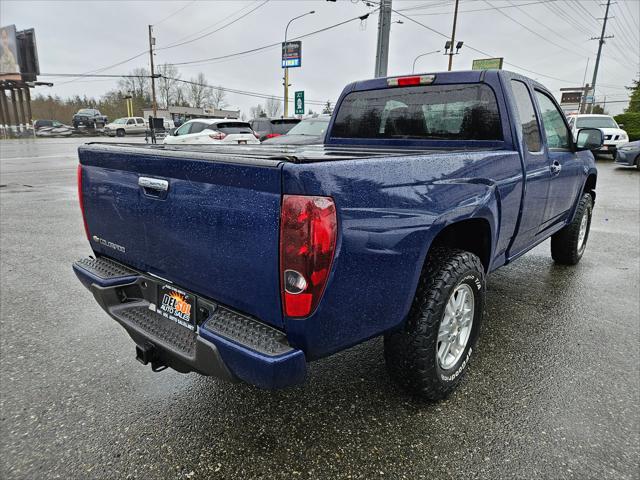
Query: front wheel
x=120, y=133
x=428, y=356
x=568, y=245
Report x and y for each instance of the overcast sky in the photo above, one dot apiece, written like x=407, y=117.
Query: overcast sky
x=551, y=39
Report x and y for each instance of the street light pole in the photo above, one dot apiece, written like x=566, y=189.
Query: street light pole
x=152, y=42
x=413, y=69
x=286, y=69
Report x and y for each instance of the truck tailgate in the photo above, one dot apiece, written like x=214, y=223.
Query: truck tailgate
x=213, y=231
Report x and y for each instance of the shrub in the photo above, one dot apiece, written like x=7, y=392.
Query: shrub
x=631, y=123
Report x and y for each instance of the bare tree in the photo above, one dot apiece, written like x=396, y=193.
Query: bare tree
x=199, y=91
x=272, y=107
x=218, y=98
x=257, y=111
x=168, y=84
x=136, y=85
x=328, y=109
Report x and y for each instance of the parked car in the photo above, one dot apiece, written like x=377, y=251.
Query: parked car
x=212, y=131
x=307, y=132
x=614, y=135
x=267, y=128
x=125, y=126
x=51, y=128
x=249, y=263
x=89, y=118
x=628, y=154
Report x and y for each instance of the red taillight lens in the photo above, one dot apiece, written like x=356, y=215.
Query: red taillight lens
x=271, y=135
x=409, y=81
x=217, y=135
x=81, y=201
x=308, y=229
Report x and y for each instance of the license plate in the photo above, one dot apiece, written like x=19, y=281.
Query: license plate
x=177, y=305
x=242, y=142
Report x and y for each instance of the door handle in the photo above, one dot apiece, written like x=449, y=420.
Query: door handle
x=556, y=167
x=153, y=184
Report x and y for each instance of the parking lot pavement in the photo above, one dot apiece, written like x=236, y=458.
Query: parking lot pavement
x=553, y=392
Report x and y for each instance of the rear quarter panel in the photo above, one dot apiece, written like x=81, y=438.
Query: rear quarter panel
x=389, y=210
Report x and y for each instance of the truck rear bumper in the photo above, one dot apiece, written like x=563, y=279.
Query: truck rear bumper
x=225, y=344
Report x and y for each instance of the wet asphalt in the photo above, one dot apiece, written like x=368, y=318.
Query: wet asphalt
x=553, y=392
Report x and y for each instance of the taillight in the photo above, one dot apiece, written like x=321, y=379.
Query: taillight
x=217, y=135
x=271, y=135
x=308, y=228
x=81, y=201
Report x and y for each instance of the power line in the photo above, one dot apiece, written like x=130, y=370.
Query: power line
x=175, y=13
x=271, y=45
x=216, y=30
x=242, y=92
x=480, y=9
x=209, y=26
x=482, y=52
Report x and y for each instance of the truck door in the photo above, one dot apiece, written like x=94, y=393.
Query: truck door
x=566, y=168
x=536, y=167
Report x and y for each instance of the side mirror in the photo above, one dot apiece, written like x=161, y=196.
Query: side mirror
x=621, y=125
x=589, y=139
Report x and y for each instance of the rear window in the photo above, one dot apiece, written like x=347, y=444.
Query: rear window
x=231, y=127
x=283, y=125
x=437, y=112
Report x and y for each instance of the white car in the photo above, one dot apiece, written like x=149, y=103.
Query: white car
x=206, y=131
x=614, y=136
x=125, y=126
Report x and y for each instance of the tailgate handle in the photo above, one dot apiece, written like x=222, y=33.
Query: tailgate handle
x=153, y=184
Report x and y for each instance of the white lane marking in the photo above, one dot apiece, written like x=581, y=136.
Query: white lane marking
x=36, y=156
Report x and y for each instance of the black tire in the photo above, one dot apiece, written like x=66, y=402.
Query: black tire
x=411, y=354
x=120, y=133
x=638, y=162
x=566, y=248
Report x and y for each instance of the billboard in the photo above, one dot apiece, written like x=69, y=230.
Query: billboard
x=28, y=54
x=571, y=97
x=9, y=57
x=291, y=54
x=487, y=64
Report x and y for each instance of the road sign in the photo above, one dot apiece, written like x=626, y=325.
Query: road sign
x=487, y=64
x=291, y=54
x=589, y=99
x=299, y=97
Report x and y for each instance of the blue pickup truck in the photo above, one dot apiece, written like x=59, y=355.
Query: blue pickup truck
x=247, y=263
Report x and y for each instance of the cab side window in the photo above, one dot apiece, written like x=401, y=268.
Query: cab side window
x=527, y=116
x=555, y=129
x=131, y=121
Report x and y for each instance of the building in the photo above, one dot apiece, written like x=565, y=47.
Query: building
x=179, y=115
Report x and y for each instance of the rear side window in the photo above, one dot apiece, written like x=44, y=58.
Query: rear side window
x=526, y=116
x=231, y=127
x=140, y=121
x=283, y=126
x=437, y=112
x=197, y=127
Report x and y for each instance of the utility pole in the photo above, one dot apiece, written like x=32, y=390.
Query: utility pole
x=152, y=42
x=600, y=43
x=453, y=35
x=382, y=49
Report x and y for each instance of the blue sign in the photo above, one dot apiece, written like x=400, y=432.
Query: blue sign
x=291, y=54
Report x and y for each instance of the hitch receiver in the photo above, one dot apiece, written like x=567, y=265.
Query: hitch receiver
x=146, y=354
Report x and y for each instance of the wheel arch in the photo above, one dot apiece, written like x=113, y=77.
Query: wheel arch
x=473, y=235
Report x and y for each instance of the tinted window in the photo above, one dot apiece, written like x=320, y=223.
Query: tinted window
x=131, y=121
x=140, y=121
x=596, y=122
x=555, y=130
x=440, y=112
x=231, y=127
x=282, y=126
x=197, y=127
x=526, y=116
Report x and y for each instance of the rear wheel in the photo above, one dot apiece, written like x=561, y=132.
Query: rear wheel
x=568, y=245
x=429, y=355
x=638, y=162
